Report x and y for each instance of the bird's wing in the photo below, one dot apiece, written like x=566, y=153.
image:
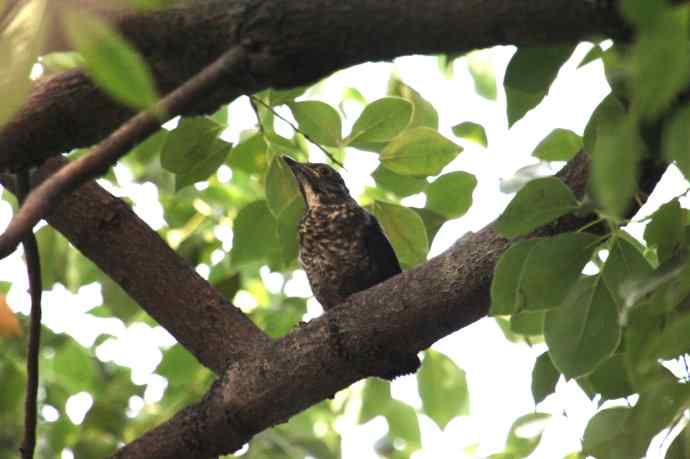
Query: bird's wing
x=380, y=250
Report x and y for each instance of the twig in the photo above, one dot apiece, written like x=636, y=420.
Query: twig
x=33, y=268
x=252, y=102
x=255, y=99
x=117, y=144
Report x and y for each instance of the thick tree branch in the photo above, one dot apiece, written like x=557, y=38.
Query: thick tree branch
x=288, y=43
x=106, y=230
x=406, y=313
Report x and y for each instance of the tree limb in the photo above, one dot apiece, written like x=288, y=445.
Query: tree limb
x=109, y=233
x=288, y=43
x=406, y=313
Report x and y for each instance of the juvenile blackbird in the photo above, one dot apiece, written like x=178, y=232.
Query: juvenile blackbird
x=343, y=249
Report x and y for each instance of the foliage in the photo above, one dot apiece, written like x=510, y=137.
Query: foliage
x=612, y=330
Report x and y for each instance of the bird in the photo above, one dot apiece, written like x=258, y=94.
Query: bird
x=342, y=247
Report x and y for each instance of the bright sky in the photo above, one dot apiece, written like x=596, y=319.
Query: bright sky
x=498, y=372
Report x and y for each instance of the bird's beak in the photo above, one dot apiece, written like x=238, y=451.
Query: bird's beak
x=306, y=179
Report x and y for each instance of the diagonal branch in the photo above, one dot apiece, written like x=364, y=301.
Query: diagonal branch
x=108, y=232
x=229, y=66
x=406, y=313
x=288, y=43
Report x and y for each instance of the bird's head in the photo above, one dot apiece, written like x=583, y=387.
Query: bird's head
x=319, y=183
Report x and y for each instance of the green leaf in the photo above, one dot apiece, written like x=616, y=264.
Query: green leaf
x=537, y=203
x=401, y=185
x=615, y=154
x=605, y=436
x=250, y=154
x=539, y=273
x=525, y=434
x=680, y=447
x=529, y=76
x=60, y=61
x=403, y=423
x=277, y=97
x=662, y=61
x=189, y=143
x=319, y=121
x=443, y=389
x=483, y=75
x=228, y=285
x=585, y=331
x=54, y=250
x=450, y=195
x=140, y=158
x=76, y=367
x=506, y=297
x=559, y=145
x=666, y=230
x=178, y=366
x=610, y=108
x=405, y=230
x=114, y=64
x=592, y=55
x=424, y=114
x=673, y=341
x=254, y=234
x=544, y=378
x=528, y=323
x=288, y=221
x=471, y=131
x=381, y=121
x=655, y=410
x=610, y=379
x=13, y=378
x=281, y=187
x=432, y=221
x=221, y=116
x=21, y=39
x=676, y=140
x=280, y=320
x=420, y=151
x=208, y=163
x=375, y=399
x=617, y=70
x=117, y=301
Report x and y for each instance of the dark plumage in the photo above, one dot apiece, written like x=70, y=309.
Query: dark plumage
x=343, y=249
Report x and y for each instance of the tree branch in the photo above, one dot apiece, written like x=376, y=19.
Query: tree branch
x=33, y=269
x=288, y=43
x=406, y=313
x=108, y=232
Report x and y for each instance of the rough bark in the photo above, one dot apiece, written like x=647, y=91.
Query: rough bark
x=124, y=247
x=289, y=43
x=406, y=313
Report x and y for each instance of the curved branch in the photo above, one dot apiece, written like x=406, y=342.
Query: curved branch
x=289, y=43
x=40, y=201
x=406, y=313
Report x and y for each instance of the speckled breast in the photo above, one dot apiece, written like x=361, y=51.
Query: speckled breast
x=332, y=249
